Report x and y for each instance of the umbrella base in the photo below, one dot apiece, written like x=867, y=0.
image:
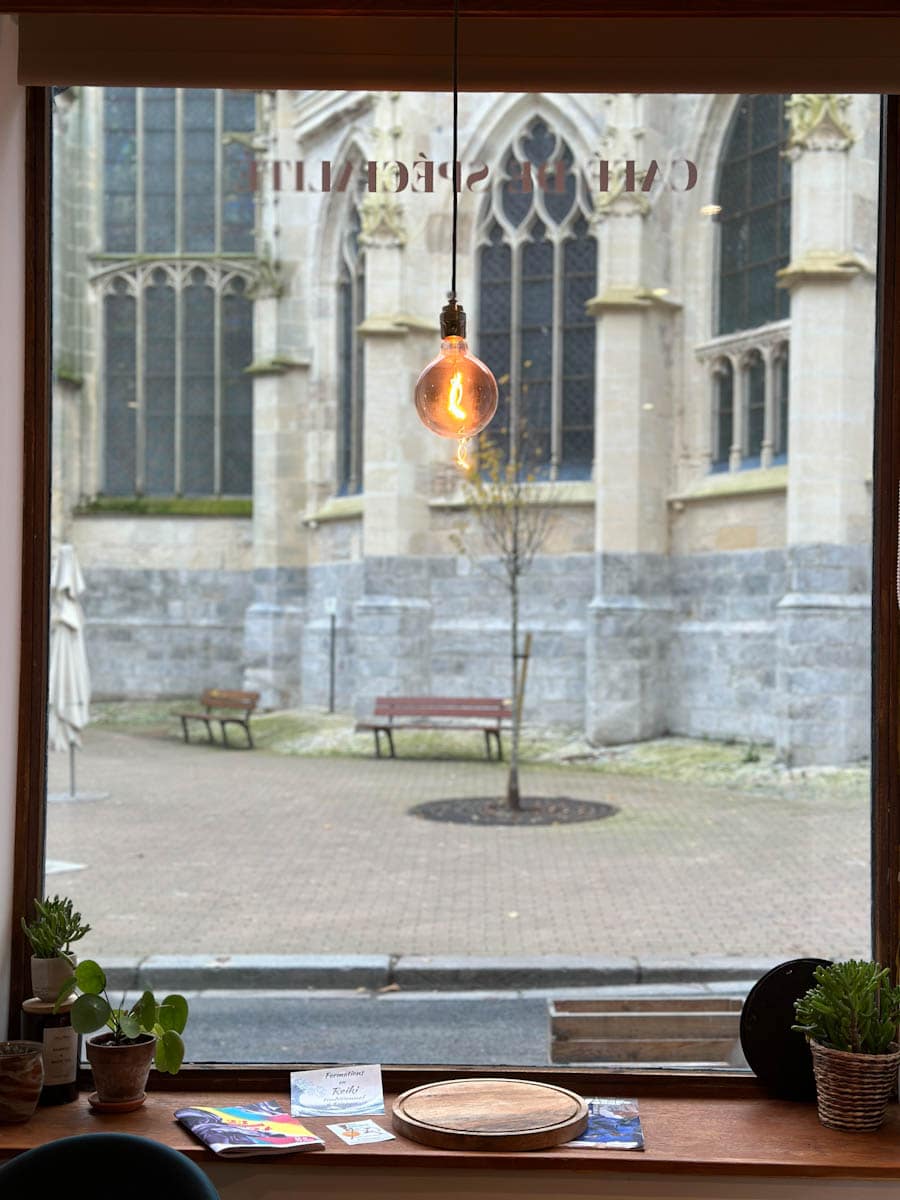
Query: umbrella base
x=66, y=797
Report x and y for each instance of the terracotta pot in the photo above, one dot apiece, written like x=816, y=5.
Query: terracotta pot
x=21, y=1079
x=120, y=1072
x=49, y=974
x=853, y=1090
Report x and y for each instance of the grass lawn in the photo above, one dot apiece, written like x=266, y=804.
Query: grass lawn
x=317, y=734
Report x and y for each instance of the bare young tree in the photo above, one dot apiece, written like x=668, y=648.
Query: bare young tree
x=514, y=521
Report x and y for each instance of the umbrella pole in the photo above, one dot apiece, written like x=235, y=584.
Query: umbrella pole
x=72, y=770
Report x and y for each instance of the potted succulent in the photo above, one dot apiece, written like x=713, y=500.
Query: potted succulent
x=147, y=1032
x=850, y=1018
x=51, y=935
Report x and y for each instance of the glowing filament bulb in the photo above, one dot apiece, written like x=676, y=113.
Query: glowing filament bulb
x=456, y=394
x=454, y=406
x=462, y=460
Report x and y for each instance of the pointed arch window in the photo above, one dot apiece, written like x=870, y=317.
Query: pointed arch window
x=178, y=241
x=750, y=386
x=754, y=194
x=537, y=263
x=351, y=357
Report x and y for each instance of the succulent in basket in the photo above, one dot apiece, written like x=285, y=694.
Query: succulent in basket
x=852, y=1008
x=850, y=1017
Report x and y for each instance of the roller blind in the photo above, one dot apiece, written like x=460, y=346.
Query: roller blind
x=498, y=52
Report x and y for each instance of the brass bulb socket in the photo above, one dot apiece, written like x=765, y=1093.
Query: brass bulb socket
x=453, y=320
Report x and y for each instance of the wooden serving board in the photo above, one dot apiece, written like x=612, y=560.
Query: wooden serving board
x=490, y=1114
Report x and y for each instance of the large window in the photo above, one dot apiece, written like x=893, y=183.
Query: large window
x=538, y=269
x=175, y=276
x=690, y=652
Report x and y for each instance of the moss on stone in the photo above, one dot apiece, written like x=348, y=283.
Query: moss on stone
x=176, y=506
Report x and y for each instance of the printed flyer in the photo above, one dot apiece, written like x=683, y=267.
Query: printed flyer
x=337, y=1092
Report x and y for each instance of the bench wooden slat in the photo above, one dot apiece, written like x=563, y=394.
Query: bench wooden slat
x=223, y=705
x=463, y=713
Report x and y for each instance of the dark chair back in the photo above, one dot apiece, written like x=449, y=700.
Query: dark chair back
x=105, y=1166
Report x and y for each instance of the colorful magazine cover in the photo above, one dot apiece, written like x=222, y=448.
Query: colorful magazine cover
x=245, y=1129
x=612, y=1125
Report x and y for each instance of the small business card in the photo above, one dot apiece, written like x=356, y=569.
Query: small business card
x=357, y=1133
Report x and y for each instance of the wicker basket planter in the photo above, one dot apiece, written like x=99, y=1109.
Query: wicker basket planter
x=853, y=1089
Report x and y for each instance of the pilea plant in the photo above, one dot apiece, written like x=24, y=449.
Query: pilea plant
x=851, y=1007
x=55, y=928
x=164, y=1019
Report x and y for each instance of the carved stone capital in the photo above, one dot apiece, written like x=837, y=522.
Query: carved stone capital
x=381, y=220
x=821, y=266
x=616, y=201
x=381, y=213
x=818, y=122
x=629, y=296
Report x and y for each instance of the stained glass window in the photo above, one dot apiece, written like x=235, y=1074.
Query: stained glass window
x=537, y=269
x=724, y=413
x=351, y=354
x=177, y=184
x=756, y=405
x=755, y=198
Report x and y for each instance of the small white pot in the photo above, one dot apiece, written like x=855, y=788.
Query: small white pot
x=49, y=974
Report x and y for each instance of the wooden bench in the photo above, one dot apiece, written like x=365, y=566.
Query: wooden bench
x=485, y=713
x=226, y=707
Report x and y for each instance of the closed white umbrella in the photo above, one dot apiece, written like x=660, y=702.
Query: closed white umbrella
x=69, y=692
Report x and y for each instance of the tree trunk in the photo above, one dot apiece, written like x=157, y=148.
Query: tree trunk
x=512, y=783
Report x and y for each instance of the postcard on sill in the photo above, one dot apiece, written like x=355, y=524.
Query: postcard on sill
x=612, y=1125
x=358, y=1133
x=337, y=1092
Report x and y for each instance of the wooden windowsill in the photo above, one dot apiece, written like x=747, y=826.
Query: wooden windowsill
x=740, y=1136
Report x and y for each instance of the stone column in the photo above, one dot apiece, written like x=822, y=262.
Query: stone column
x=273, y=625
x=628, y=619
x=392, y=618
x=822, y=646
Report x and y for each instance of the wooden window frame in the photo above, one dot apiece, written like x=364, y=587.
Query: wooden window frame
x=30, y=814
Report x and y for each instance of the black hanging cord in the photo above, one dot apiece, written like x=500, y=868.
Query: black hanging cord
x=455, y=137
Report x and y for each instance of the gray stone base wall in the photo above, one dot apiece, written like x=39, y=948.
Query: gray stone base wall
x=767, y=646
x=273, y=633
x=158, y=633
x=336, y=588
x=723, y=653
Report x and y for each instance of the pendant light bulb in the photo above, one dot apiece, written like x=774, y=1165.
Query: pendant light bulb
x=456, y=394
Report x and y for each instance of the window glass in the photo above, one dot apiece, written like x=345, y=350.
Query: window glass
x=583, y=721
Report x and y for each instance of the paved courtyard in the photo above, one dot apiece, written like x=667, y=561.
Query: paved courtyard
x=199, y=850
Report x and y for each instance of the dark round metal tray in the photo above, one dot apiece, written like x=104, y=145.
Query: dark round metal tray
x=778, y=1056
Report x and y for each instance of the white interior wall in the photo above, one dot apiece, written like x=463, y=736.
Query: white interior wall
x=12, y=339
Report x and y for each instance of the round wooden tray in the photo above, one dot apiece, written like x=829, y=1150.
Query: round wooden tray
x=490, y=1114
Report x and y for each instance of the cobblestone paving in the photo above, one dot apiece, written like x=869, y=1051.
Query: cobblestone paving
x=202, y=850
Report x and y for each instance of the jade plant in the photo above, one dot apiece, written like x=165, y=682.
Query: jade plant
x=164, y=1019
x=55, y=928
x=852, y=1007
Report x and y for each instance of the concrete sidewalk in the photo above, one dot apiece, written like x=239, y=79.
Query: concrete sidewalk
x=251, y=869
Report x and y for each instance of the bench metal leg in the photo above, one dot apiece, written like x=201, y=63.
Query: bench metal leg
x=250, y=745
x=499, y=746
x=184, y=727
x=487, y=745
x=390, y=741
